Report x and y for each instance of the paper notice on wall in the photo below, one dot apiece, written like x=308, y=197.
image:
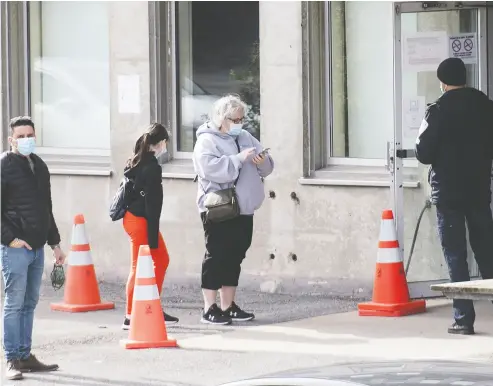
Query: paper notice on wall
x=413, y=112
x=465, y=47
x=128, y=94
x=424, y=51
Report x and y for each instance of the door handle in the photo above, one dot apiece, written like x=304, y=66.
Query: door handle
x=405, y=153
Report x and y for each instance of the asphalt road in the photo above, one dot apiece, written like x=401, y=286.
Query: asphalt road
x=415, y=373
x=86, y=346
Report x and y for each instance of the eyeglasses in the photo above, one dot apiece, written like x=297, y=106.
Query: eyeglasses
x=237, y=120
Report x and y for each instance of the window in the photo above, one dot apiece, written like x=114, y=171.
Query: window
x=69, y=74
x=216, y=54
x=423, y=83
x=350, y=53
x=361, y=73
x=350, y=82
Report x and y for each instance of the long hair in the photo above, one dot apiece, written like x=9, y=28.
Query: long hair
x=154, y=134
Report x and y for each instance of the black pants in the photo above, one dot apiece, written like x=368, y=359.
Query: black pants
x=452, y=232
x=226, y=244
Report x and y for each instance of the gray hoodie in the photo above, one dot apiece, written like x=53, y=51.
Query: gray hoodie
x=216, y=163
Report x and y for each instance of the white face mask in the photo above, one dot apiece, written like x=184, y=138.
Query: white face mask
x=159, y=151
x=442, y=88
x=235, y=129
x=25, y=146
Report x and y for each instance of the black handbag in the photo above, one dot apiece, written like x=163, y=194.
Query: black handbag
x=222, y=205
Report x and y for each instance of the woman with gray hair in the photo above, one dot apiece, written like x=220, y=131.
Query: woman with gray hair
x=230, y=164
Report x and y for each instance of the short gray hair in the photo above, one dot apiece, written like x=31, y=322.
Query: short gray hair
x=225, y=107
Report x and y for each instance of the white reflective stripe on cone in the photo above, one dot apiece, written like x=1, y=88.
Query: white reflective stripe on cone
x=80, y=258
x=388, y=255
x=79, y=236
x=146, y=292
x=145, y=267
x=387, y=231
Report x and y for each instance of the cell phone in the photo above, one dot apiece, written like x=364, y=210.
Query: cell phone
x=264, y=152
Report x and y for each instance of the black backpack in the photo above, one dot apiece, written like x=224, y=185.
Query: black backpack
x=122, y=199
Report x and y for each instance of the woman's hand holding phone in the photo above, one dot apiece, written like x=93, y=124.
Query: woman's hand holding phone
x=259, y=159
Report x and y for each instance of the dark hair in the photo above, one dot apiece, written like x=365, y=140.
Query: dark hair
x=20, y=121
x=154, y=134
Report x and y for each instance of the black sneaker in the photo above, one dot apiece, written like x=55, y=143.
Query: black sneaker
x=460, y=330
x=34, y=365
x=170, y=319
x=126, y=324
x=167, y=318
x=215, y=316
x=237, y=314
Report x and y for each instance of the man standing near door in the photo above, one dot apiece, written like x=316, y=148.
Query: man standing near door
x=456, y=139
x=27, y=225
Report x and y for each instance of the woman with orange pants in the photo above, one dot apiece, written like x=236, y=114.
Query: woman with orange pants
x=141, y=221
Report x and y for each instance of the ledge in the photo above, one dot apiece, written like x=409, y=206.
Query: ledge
x=79, y=162
x=79, y=172
x=369, y=176
x=179, y=169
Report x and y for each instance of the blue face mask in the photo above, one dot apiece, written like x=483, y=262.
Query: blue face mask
x=162, y=152
x=235, y=129
x=26, y=146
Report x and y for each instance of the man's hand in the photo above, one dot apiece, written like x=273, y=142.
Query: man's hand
x=59, y=256
x=18, y=243
x=258, y=159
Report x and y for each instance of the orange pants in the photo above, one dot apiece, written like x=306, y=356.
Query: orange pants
x=136, y=228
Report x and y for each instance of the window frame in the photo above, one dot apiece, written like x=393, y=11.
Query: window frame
x=65, y=161
x=163, y=67
x=162, y=82
x=174, y=85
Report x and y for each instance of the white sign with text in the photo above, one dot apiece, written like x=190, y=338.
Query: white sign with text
x=465, y=47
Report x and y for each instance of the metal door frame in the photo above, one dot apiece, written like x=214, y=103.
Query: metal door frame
x=422, y=288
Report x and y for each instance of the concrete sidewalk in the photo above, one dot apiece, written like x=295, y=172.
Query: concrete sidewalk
x=86, y=346
x=351, y=337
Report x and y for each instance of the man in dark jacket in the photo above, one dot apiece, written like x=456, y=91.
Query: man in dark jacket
x=456, y=139
x=27, y=225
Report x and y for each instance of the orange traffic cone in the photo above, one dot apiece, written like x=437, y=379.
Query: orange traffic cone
x=81, y=290
x=390, y=291
x=147, y=326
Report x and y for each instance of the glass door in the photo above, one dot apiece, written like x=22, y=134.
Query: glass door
x=426, y=34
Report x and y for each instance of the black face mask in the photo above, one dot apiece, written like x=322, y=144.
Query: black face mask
x=57, y=277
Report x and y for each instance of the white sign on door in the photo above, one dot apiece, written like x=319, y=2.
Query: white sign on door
x=424, y=51
x=465, y=47
x=413, y=112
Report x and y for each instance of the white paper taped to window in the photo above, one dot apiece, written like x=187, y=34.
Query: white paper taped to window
x=424, y=51
x=465, y=47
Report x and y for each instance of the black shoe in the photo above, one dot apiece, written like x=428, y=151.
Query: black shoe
x=170, y=319
x=167, y=318
x=34, y=365
x=238, y=315
x=215, y=316
x=460, y=330
x=126, y=324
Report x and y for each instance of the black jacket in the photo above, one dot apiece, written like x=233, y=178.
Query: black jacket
x=148, y=197
x=26, y=201
x=456, y=139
